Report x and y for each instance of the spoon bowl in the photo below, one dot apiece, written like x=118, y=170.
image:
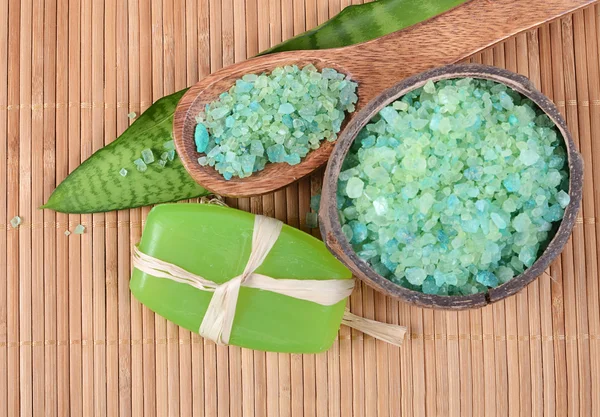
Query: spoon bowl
x=274, y=175
x=375, y=65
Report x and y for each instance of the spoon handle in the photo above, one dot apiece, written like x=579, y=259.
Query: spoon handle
x=442, y=40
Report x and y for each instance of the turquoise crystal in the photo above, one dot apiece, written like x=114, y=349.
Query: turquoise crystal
x=140, y=165
x=148, y=156
x=15, y=222
x=454, y=188
x=276, y=117
x=201, y=138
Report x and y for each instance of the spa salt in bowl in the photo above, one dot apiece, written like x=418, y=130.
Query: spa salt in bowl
x=449, y=191
x=276, y=117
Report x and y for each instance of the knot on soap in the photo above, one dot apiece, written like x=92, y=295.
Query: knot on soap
x=218, y=321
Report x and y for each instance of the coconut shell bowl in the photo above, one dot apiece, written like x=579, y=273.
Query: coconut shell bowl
x=331, y=228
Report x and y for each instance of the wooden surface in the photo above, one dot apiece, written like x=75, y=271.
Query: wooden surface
x=445, y=39
x=331, y=228
x=73, y=341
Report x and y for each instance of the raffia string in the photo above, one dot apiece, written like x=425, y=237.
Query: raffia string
x=218, y=320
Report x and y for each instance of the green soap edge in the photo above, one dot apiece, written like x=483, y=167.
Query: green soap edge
x=335, y=313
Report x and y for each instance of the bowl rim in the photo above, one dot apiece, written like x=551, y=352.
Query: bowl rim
x=330, y=225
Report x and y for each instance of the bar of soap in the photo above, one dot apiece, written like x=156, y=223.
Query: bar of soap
x=215, y=242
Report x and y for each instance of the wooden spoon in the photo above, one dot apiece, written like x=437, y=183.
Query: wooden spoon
x=376, y=65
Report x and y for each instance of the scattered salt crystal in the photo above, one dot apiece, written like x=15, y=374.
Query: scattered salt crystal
x=140, y=165
x=147, y=156
x=67, y=233
x=123, y=172
x=15, y=222
x=132, y=115
x=79, y=229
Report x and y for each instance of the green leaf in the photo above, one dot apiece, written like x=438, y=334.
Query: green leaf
x=364, y=22
x=97, y=186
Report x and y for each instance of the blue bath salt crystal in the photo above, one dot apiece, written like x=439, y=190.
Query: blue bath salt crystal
x=389, y=114
x=473, y=173
x=563, y=198
x=140, y=165
x=442, y=237
x=481, y=205
x=368, y=141
x=498, y=220
x=201, y=138
x=242, y=86
x=512, y=183
x=340, y=201
x=229, y=122
x=276, y=153
x=527, y=255
x=287, y=120
x=276, y=117
x=388, y=263
x=286, y=108
x=452, y=201
x=487, y=278
x=554, y=213
x=247, y=162
x=405, y=236
x=359, y=231
x=415, y=276
x=430, y=286
x=148, y=156
x=470, y=226
x=454, y=190
x=293, y=159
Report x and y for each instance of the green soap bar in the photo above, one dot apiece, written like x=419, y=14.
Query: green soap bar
x=215, y=242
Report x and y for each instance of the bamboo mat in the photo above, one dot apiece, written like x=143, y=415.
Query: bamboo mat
x=74, y=342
